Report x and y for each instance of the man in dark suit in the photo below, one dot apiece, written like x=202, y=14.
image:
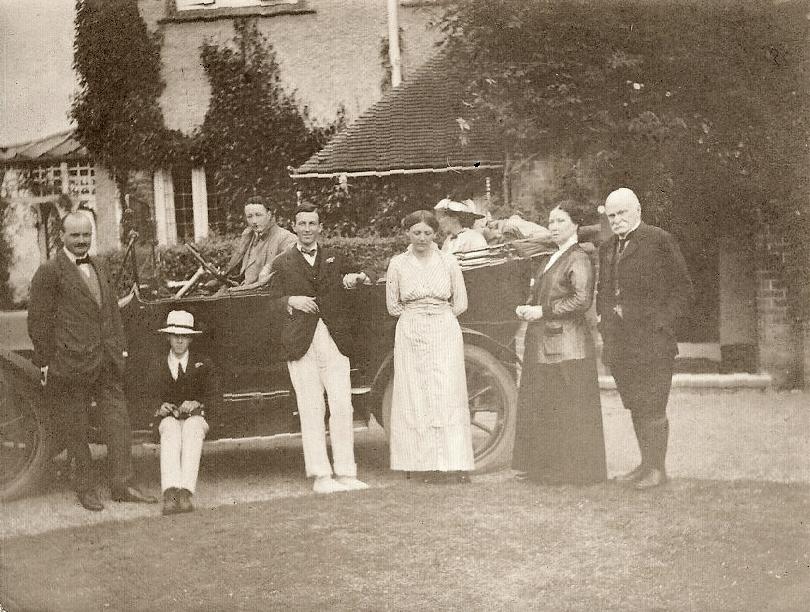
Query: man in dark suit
x=643, y=287
x=78, y=339
x=316, y=319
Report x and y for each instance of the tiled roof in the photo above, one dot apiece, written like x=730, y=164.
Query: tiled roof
x=52, y=148
x=416, y=127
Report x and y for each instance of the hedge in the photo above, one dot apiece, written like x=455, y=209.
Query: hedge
x=176, y=263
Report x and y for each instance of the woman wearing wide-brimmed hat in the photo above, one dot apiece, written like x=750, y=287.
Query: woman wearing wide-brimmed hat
x=184, y=384
x=456, y=222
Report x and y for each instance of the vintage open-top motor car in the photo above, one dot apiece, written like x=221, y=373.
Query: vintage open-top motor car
x=256, y=396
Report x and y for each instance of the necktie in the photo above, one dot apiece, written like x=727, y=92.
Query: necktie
x=623, y=244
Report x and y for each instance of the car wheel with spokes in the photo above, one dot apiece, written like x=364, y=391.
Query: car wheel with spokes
x=24, y=437
x=492, y=397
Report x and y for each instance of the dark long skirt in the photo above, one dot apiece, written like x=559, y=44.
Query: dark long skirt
x=559, y=435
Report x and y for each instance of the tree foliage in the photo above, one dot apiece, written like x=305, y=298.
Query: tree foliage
x=673, y=98
x=116, y=110
x=700, y=106
x=253, y=130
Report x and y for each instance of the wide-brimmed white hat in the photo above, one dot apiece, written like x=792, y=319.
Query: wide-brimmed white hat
x=181, y=323
x=467, y=207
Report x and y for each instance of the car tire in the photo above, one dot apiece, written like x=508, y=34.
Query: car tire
x=490, y=380
x=25, y=440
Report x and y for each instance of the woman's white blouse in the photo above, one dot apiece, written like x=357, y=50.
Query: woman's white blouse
x=412, y=283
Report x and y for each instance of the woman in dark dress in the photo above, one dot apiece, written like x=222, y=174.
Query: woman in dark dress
x=559, y=432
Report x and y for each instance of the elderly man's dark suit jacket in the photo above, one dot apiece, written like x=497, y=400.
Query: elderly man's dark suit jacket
x=654, y=290
x=292, y=275
x=70, y=331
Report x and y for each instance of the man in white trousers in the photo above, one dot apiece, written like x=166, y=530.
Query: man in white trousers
x=316, y=318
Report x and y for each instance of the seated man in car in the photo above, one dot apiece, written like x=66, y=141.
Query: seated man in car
x=259, y=245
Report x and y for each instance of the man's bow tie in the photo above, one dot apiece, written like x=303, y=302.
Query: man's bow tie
x=83, y=260
x=311, y=252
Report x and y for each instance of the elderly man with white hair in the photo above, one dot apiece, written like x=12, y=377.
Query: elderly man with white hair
x=643, y=288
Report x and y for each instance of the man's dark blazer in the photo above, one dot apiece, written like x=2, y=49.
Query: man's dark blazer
x=72, y=334
x=654, y=290
x=292, y=275
x=198, y=383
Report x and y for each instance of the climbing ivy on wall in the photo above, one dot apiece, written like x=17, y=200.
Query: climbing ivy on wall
x=116, y=110
x=254, y=129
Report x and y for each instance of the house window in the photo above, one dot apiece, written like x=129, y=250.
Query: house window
x=82, y=183
x=183, y=204
x=217, y=209
x=45, y=180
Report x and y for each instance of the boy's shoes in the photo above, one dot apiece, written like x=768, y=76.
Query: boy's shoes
x=128, y=493
x=325, y=484
x=634, y=475
x=170, y=505
x=352, y=483
x=90, y=500
x=654, y=478
x=184, y=501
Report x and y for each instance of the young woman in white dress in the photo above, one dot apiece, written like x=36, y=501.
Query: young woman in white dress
x=430, y=419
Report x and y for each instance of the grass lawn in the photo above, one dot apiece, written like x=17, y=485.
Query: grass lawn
x=695, y=545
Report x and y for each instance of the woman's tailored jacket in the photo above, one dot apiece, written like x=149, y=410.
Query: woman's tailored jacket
x=565, y=291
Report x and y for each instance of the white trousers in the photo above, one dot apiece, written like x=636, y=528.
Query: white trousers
x=324, y=368
x=180, y=449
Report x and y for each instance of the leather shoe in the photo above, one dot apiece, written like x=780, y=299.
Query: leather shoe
x=184, y=501
x=633, y=475
x=131, y=494
x=170, y=505
x=90, y=500
x=654, y=478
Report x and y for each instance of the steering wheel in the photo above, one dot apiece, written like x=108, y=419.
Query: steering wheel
x=210, y=268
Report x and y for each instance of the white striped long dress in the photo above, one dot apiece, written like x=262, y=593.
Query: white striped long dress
x=430, y=419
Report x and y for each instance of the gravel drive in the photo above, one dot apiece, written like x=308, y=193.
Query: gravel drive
x=742, y=435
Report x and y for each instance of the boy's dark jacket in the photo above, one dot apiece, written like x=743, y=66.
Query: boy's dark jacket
x=198, y=383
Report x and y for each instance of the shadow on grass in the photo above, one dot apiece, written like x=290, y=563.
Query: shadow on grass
x=490, y=545
x=250, y=462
